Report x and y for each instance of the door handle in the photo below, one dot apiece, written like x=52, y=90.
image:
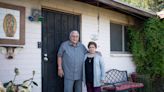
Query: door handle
x=45, y=58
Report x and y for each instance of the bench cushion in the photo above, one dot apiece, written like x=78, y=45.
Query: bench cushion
x=123, y=86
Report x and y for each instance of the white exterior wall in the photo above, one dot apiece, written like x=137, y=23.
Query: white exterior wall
x=29, y=57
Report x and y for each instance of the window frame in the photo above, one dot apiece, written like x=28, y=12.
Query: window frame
x=123, y=49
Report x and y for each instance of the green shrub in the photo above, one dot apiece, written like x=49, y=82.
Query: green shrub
x=147, y=47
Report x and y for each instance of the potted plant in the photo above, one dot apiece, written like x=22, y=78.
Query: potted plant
x=26, y=86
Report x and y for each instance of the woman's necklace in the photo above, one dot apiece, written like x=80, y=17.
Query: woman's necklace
x=90, y=57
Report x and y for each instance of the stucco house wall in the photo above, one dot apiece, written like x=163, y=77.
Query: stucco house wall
x=29, y=58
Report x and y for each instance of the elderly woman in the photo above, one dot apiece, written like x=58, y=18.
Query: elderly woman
x=93, y=69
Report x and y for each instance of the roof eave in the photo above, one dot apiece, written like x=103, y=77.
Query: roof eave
x=123, y=6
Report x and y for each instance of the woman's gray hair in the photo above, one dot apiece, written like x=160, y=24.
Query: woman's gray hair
x=74, y=31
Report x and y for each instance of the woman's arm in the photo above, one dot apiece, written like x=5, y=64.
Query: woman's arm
x=102, y=67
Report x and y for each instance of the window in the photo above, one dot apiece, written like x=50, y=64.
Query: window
x=118, y=38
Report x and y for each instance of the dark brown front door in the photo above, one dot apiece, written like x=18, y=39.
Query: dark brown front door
x=56, y=27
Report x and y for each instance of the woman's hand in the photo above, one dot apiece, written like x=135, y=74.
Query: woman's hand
x=102, y=81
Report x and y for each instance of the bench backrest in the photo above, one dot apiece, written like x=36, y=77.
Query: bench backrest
x=114, y=76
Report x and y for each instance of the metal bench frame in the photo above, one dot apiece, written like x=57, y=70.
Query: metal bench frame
x=116, y=78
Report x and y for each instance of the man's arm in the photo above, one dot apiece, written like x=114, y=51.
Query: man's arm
x=59, y=62
x=60, y=69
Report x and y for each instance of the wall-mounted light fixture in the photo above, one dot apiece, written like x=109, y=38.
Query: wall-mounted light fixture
x=10, y=51
x=35, y=15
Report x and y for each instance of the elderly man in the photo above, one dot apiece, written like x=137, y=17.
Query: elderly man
x=70, y=60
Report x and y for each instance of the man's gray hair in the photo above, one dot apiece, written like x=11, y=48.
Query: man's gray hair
x=74, y=31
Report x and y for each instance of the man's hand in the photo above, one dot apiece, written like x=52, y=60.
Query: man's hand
x=60, y=72
x=60, y=69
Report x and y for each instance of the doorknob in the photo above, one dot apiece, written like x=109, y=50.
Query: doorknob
x=45, y=54
x=45, y=58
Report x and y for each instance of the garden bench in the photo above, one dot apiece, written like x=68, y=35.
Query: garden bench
x=116, y=81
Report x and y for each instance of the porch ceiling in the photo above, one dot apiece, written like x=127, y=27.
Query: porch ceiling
x=120, y=7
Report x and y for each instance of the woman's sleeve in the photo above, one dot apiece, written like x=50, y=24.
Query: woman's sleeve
x=102, y=68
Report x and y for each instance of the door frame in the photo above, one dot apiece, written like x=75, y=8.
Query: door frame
x=64, y=11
